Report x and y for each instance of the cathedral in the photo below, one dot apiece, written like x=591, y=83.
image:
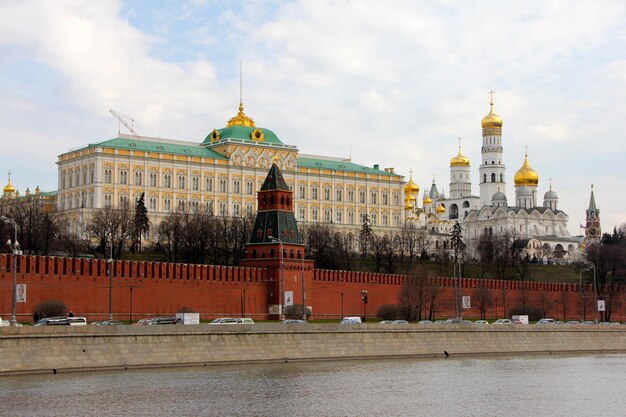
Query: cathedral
x=540, y=231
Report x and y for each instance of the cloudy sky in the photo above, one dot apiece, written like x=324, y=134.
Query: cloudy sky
x=392, y=83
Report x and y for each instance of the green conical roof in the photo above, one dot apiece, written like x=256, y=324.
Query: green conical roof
x=274, y=180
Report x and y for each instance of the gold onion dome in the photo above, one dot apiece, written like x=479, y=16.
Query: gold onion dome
x=9, y=188
x=460, y=160
x=441, y=208
x=408, y=205
x=526, y=175
x=411, y=187
x=427, y=199
x=492, y=119
x=410, y=198
x=241, y=119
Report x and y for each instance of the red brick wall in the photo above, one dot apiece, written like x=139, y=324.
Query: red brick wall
x=164, y=288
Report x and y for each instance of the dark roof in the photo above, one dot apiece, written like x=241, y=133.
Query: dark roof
x=274, y=180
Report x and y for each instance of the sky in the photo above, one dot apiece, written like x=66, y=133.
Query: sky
x=391, y=83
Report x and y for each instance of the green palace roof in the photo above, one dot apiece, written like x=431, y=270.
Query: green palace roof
x=243, y=134
x=319, y=163
x=161, y=147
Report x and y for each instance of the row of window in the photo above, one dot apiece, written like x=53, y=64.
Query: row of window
x=350, y=194
x=493, y=177
x=75, y=178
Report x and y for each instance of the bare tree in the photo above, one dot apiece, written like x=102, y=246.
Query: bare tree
x=379, y=247
x=483, y=298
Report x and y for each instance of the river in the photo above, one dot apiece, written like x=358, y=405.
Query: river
x=500, y=386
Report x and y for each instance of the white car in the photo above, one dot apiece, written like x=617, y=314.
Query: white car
x=232, y=320
x=351, y=320
x=546, y=321
x=481, y=322
x=503, y=321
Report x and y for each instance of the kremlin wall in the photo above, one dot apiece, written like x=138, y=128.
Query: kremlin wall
x=144, y=289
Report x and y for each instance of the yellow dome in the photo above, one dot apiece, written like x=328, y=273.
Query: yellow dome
x=408, y=206
x=411, y=187
x=492, y=119
x=460, y=160
x=9, y=188
x=526, y=175
x=241, y=119
x=427, y=199
x=441, y=208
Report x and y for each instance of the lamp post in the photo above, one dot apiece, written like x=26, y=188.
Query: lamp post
x=15, y=247
x=110, y=262
x=595, y=288
x=303, y=293
x=364, y=298
x=341, y=304
x=459, y=263
x=580, y=290
x=282, y=278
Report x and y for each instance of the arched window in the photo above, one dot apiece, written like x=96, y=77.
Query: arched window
x=484, y=177
x=501, y=177
x=493, y=177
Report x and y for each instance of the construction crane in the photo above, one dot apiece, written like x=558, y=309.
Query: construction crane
x=121, y=118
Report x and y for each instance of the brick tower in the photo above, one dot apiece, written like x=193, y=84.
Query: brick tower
x=276, y=244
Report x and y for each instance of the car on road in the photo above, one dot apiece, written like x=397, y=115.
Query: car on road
x=481, y=322
x=503, y=321
x=546, y=321
x=232, y=320
x=573, y=323
x=163, y=320
x=351, y=320
x=424, y=322
x=111, y=323
x=588, y=323
x=62, y=321
x=399, y=322
x=293, y=321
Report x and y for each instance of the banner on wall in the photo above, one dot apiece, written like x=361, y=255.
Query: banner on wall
x=20, y=293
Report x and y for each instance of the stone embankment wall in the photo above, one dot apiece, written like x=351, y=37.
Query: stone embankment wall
x=59, y=349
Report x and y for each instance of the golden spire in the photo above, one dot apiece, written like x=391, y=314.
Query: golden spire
x=411, y=187
x=9, y=188
x=460, y=160
x=491, y=120
x=526, y=175
x=241, y=119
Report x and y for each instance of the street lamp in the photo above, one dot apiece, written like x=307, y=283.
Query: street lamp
x=580, y=290
x=110, y=262
x=303, y=293
x=282, y=278
x=595, y=288
x=15, y=247
x=364, y=298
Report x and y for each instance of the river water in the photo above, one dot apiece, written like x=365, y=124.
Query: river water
x=501, y=386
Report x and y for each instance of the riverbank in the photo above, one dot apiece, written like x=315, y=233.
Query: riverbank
x=62, y=349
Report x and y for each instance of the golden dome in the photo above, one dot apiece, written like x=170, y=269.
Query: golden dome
x=526, y=175
x=427, y=199
x=241, y=119
x=460, y=160
x=441, y=208
x=411, y=187
x=492, y=119
x=9, y=188
x=408, y=205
